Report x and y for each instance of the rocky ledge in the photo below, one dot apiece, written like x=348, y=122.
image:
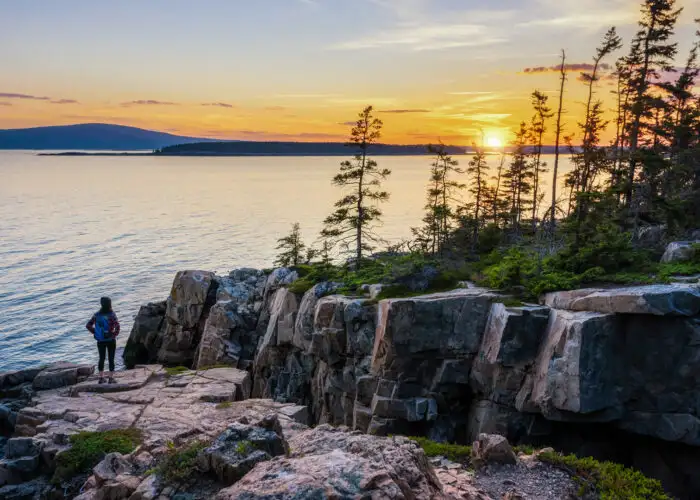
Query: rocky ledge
x=606, y=372
x=199, y=438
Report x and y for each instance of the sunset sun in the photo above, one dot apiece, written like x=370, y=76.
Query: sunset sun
x=494, y=142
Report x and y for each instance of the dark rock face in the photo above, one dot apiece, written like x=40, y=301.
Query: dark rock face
x=145, y=339
x=236, y=451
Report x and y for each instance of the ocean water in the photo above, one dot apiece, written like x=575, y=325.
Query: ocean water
x=73, y=229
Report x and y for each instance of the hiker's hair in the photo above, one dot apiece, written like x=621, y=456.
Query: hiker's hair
x=105, y=305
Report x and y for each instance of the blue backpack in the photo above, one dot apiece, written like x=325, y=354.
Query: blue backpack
x=102, y=332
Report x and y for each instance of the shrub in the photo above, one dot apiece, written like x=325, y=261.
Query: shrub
x=88, y=448
x=610, y=480
x=178, y=465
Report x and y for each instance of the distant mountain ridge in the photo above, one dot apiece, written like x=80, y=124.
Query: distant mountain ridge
x=91, y=136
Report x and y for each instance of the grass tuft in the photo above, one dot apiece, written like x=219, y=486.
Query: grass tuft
x=610, y=481
x=454, y=452
x=88, y=448
x=173, y=371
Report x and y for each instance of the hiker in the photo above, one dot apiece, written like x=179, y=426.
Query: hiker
x=104, y=325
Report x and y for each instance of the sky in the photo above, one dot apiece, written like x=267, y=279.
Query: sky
x=302, y=69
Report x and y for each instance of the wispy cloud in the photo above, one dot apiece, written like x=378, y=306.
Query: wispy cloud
x=567, y=67
x=417, y=37
x=219, y=104
x=402, y=111
x=592, y=14
x=471, y=92
x=348, y=124
x=2, y=103
x=148, y=102
x=11, y=95
x=305, y=96
x=64, y=101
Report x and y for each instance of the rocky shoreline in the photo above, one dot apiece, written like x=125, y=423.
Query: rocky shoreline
x=610, y=373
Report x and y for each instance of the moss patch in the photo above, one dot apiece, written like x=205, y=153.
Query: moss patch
x=179, y=464
x=172, y=371
x=609, y=480
x=223, y=405
x=454, y=452
x=212, y=367
x=88, y=448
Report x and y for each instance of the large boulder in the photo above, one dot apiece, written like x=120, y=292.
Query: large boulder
x=508, y=349
x=191, y=296
x=146, y=335
x=236, y=451
x=61, y=375
x=493, y=448
x=333, y=463
x=680, y=251
x=660, y=300
x=578, y=370
x=443, y=325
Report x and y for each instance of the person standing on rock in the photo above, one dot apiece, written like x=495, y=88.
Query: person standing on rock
x=104, y=325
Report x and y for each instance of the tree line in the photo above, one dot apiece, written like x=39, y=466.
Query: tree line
x=648, y=174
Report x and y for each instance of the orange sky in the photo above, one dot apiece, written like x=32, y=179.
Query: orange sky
x=301, y=69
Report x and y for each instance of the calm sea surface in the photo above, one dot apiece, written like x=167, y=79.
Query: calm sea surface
x=73, y=229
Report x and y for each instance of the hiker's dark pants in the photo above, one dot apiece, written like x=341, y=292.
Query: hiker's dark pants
x=106, y=347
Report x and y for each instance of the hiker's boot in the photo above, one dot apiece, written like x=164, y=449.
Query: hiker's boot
x=101, y=381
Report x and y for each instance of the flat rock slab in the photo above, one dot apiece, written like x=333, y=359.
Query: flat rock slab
x=144, y=400
x=660, y=300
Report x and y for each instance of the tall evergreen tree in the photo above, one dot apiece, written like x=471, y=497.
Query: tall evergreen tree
x=478, y=171
x=560, y=109
x=518, y=179
x=441, y=197
x=351, y=222
x=538, y=126
x=652, y=52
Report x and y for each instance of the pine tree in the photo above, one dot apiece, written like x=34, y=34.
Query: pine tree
x=518, y=179
x=537, y=129
x=291, y=248
x=351, y=222
x=652, y=52
x=478, y=170
x=562, y=82
x=441, y=196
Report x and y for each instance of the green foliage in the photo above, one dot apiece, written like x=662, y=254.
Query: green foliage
x=524, y=448
x=88, y=448
x=244, y=447
x=178, y=465
x=610, y=480
x=350, y=225
x=173, y=371
x=223, y=405
x=454, y=452
x=291, y=248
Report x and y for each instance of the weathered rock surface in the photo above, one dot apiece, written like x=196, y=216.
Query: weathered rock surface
x=493, y=448
x=660, y=300
x=679, y=251
x=236, y=451
x=328, y=462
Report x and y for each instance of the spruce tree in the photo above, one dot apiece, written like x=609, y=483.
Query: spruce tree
x=356, y=212
x=537, y=129
x=291, y=248
x=478, y=171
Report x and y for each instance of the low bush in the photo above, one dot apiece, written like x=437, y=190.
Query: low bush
x=180, y=464
x=88, y=448
x=609, y=480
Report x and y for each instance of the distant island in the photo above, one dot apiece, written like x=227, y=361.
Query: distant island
x=91, y=137
x=255, y=148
